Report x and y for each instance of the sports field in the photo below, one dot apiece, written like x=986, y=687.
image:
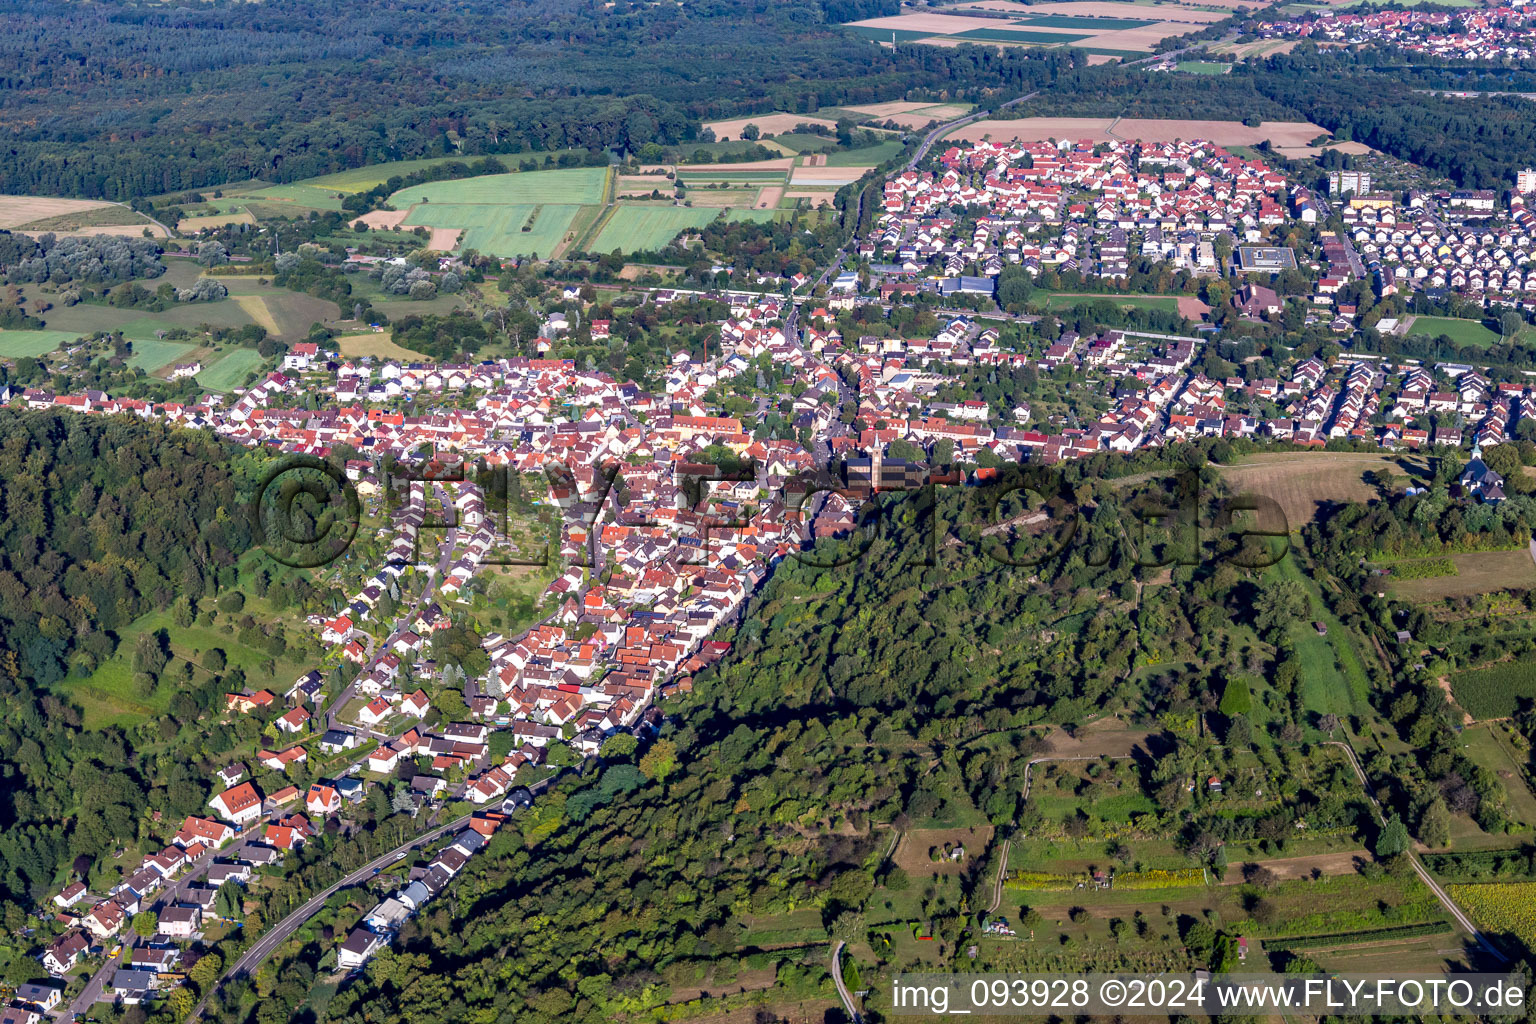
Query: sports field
x=229, y=370
x=647, y=228
x=1462, y=332
x=1203, y=67
x=15, y=344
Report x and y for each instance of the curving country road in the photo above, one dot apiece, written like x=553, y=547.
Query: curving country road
x=837, y=977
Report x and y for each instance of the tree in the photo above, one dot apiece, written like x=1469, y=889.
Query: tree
x=227, y=904
x=1278, y=605
x=849, y=926
x=1435, y=824
x=1393, y=839
x=213, y=659
x=145, y=924
x=206, y=971
x=401, y=801
x=660, y=761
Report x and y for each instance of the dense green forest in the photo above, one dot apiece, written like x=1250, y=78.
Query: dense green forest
x=107, y=520
x=286, y=90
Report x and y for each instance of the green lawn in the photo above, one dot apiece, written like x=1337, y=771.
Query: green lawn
x=1488, y=745
x=1166, y=303
x=229, y=371
x=1462, y=332
x=15, y=344
x=574, y=187
x=1333, y=679
x=296, y=196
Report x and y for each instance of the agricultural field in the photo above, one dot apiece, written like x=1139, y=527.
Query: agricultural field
x=1111, y=29
x=16, y=344
x=1305, y=483
x=109, y=219
x=1504, y=908
x=1494, y=691
x=18, y=210
x=1462, y=332
x=192, y=225
x=573, y=187
x=859, y=159
x=1477, y=572
x=501, y=230
x=1096, y=129
x=285, y=314
x=775, y=123
x=1084, y=23
x=378, y=344
x=518, y=214
x=230, y=370
x=909, y=114
x=640, y=227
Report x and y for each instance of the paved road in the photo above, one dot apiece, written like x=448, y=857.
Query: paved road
x=268, y=943
x=95, y=989
x=842, y=990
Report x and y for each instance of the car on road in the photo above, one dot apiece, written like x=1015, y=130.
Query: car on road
x=115, y=950
x=400, y=856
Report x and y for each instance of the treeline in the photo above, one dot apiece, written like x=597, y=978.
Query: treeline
x=395, y=80
x=97, y=259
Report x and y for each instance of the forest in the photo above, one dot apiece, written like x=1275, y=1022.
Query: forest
x=393, y=81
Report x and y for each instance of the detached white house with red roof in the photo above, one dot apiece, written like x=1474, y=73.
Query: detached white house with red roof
x=241, y=805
